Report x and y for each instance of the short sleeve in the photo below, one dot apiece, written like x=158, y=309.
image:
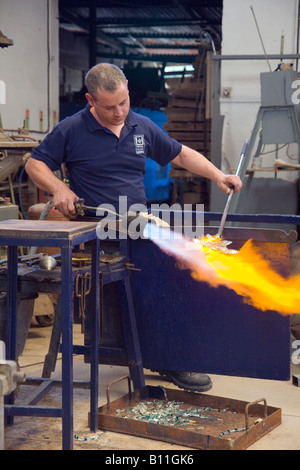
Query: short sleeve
x=51, y=150
x=163, y=148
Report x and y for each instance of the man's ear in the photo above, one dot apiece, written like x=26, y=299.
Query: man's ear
x=90, y=99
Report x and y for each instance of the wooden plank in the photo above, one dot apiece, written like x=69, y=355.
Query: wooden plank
x=188, y=89
x=193, y=144
x=187, y=126
x=183, y=115
x=181, y=173
x=183, y=103
x=192, y=136
x=200, y=147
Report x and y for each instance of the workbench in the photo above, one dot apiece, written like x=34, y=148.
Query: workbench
x=64, y=235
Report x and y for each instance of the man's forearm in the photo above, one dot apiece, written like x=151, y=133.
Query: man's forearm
x=42, y=176
x=198, y=164
x=44, y=179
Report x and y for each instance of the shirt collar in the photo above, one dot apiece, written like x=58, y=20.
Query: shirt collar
x=93, y=125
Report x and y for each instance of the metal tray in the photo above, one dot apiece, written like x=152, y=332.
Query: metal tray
x=189, y=419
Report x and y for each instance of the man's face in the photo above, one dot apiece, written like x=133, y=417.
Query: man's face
x=111, y=109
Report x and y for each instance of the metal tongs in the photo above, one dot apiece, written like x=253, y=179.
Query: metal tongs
x=238, y=170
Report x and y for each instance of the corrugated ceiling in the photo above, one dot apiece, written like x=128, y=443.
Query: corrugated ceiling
x=166, y=31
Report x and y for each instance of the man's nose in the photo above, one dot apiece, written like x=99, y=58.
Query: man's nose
x=118, y=111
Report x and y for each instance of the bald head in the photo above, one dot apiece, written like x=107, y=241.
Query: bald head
x=105, y=76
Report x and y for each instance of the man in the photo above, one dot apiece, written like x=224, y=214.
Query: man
x=105, y=147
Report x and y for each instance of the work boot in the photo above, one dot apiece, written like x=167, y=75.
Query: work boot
x=191, y=381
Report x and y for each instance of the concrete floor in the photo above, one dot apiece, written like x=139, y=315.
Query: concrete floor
x=29, y=433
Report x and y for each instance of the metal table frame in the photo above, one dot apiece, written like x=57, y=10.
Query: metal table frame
x=65, y=241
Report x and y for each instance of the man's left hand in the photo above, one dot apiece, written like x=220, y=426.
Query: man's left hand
x=229, y=182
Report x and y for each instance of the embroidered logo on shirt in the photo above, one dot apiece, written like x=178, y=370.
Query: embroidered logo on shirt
x=139, y=143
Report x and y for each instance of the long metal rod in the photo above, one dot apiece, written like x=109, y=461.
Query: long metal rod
x=238, y=170
x=260, y=37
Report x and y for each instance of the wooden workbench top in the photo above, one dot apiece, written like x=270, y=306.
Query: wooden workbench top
x=44, y=229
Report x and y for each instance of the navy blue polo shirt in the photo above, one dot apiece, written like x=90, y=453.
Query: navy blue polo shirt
x=102, y=166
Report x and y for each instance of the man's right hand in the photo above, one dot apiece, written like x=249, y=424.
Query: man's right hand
x=64, y=200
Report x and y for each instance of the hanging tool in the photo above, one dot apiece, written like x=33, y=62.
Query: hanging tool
x=82, y=289
x=260, y=37
x=238, y=170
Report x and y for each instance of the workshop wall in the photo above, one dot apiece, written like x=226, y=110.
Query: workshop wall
x=29, y=68
x=277, y=21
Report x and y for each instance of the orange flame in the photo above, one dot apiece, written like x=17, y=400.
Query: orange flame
x=245, y=271
x=251, y=276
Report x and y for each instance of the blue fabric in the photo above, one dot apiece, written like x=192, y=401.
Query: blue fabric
x=102, y=166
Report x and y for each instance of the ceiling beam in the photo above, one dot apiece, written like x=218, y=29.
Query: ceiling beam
x=109, y=22
x=142, y=57
x=155, y=35
x=164, y=46
x=146, y=3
